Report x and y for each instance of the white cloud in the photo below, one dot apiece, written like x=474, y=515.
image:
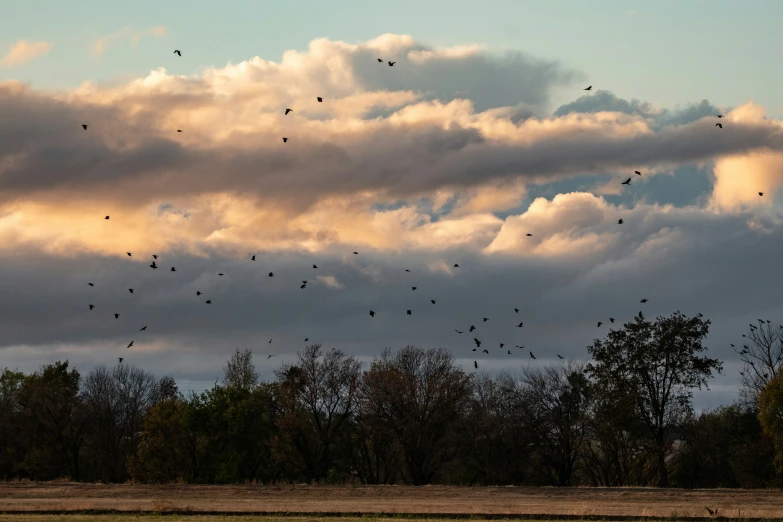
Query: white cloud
x=23, y=52
x=100, y=45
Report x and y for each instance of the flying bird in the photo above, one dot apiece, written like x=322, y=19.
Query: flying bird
x=486, y=319
x=208, y=301
x=90, y=284
x=458, y=331
x=372, y=314
x=719, y=125
x=129, y=254
x=408, y=312
x=626, y=182
x=319, y=99
x=520, y=324
x=643, y=300
x=143, y=329
x=509, y=352
x=531, y=355
x=720, y=115
x=253, y=258
x=221, y=274
x=116, y=316
x=270, y=356
x=154, y=256
x=287, y=111
x=380, y=60
x=432, y=301
x=130, y=290
x=478, y=343
x=501, y=345
x=270, y=341
x=485, y=351
x=271, y=274
x=315, y=266
x=92, y=306
x=529, y=235
x=177, y=53
x=456, y=265
x=153, y=265
x=472, y=328
x=761, y=193
x=407, y=270
x=414, y=287
x=588, y=88
x=285, y=140
x=559, y=356
x=475, y=365
x=391, y=64
x=173, y=269
x=84, y=127
x=611, y=319
x=198, y=292
x=516, y=310
x=637, y=172
x=107, y=217
x=179, y=130
x=129, y=345
x=620, y=222
x=120, y=358
x=599, y=324
x=306, y=339
x=356, y=253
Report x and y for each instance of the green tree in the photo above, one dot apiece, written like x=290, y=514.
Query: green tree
x=657, y=365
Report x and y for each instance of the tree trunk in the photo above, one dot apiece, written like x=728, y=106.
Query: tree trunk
x=663, y=473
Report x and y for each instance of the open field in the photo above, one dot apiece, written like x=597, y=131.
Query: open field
x=438, y=501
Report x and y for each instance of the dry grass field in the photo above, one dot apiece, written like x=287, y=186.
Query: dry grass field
x=311, y=501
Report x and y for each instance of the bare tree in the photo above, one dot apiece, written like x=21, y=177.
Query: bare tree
x=319, y=400
x=239, y=371
x=762, y=357
x=421, y=396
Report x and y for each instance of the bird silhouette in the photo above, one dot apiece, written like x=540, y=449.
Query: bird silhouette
x=559, y=356
x=372, y=314
x=432, y=301
x=120, y=358
x=475, y=365
x=130, y=290
x=588, y=88
x=413, y=288
x=270, y=341
x=516, y=310
x=529, y=235
x=761, y=193
x=116, y=316
x=271, y=274
x=208, y=301
x=90, y=284
x=486, y=319
x=177, y=53
x=391, y=64
x=270, y=356
x=92, y=306
x=319, y=99
x=509, y=352
x=478, y=343
x=287, y=111
x=599, y=324
x=531, y=355
x=611, y=319
x=520, y=324
x=720, y=115
x=315, y=266
x=408, y=312
x=173, y=269
x=501, y=345
x=144, y=328
x=221, y=274
x=380, y=60
x=626, y=182
x=129, y=345
x=198, y=292
x=485, y=351
x=620, y=222
x=458, y=331
x=719, y=125
x=643, y=300
x=153, y=265
x=84, y=126
x=285, y=140
x=472, y=328
x=107, y=217
x=456, y=265
x=129, y=254
x=154, y=256
x=637, y=172
x=253, y=258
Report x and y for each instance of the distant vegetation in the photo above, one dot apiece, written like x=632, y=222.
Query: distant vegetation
x=413, y=416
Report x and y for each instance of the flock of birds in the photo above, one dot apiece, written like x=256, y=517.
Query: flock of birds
x=372, y=313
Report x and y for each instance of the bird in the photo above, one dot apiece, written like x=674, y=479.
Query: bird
x=129, y=254
x=432, y=301
x=270, y=341
x=509, y=352
x=303, y=286
x=472, y=328
x=221, y=274
x=588, y=88
x=144, y=328
x=315, y=266
x=179, y=130
x=92, y=306
x=380, y=60
x=270, y=356
x=456, y=265
x=626, y=182
x=720, y=115
x=475, y=365
x=153, y=265
x=356, y=253
x=107, y=217
x=408, y=312
x=529, y=235
x=520, y=324
x=287, y=111
x=531, y=355
x=372, y=314
x=761, y=193
x=120, y=358
x=90, y=284
x=599, y=324
x=116, y=316
x=521, y=347
x=173, y=269
x=620, y=222
x=719, y=125
x=391, y=64
x=485, y=351
x=407, y=270
x=130, y=290
x=643, y=300
x=559, y=356
x=306, y=339
x=637, y=172
x=611, y=319
x=154, y=256
x=177, y=53
x=84, y=126
x=458, y=331
x=208, y=301
x=253, y=258
x=501, y=345
x=271, y=274
x=198, y=292
x=129, y=345
x=319, y=99
x=478, y=343
x=486, y=319
x=516, y=310
x=413, y=288
x=285, y=140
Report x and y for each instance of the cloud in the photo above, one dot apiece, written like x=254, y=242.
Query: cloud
x=99, y=46
x=23, y=52
x=451, y=156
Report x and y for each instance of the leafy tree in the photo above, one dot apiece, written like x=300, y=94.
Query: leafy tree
x=771, y=415
x=657, y=365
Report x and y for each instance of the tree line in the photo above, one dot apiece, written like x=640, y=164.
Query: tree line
x=623, y=418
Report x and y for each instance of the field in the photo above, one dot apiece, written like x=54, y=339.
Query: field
x=19, y=501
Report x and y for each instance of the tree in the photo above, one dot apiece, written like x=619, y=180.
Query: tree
x=762, y=357
x=239, y=371
x=12, y=441
x=318, y=399
x=420, y=396
x=558, y=400
x=771, y=415
x=656, y=365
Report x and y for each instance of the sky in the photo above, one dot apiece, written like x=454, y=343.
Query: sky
x=480, y=134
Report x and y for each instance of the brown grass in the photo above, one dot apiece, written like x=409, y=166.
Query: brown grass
x=634, y=502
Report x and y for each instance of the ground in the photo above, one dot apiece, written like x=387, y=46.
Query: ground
x=18, y=501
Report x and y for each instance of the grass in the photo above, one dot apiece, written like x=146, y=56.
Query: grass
x=377, y=503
